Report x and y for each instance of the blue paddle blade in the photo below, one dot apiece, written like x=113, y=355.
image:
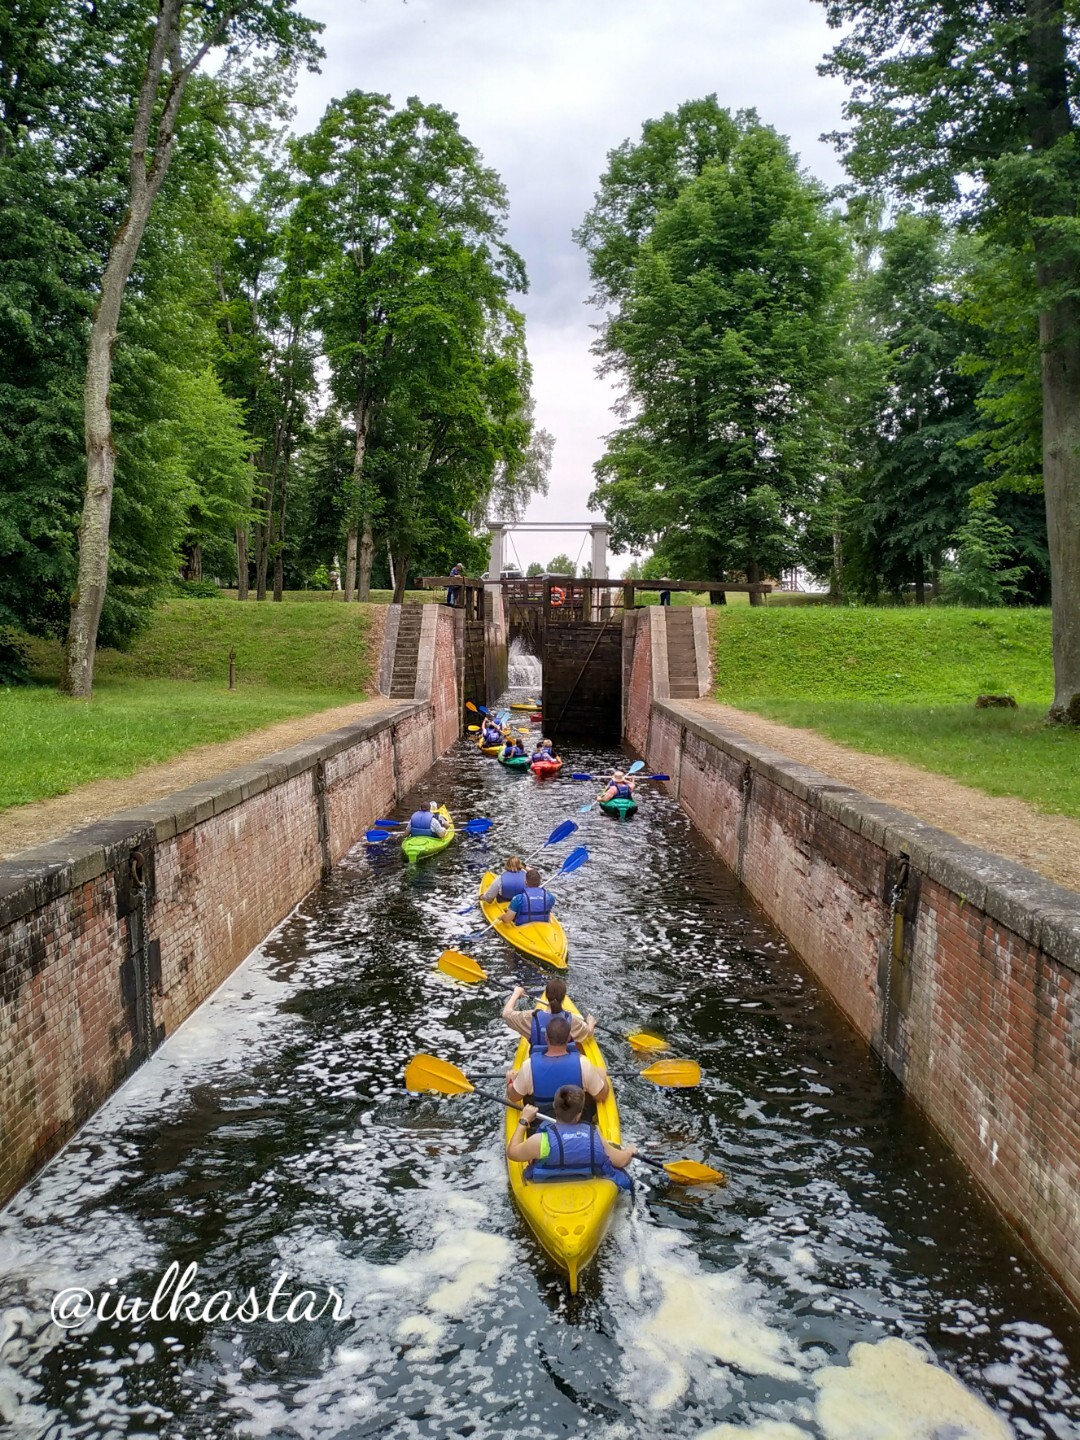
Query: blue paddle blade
x=573, y=861
x=479, y=826
x=561, y=832
x=386, y=824
x=376, y=837
x=656, y=777
x=583, y=809
x=635, y=767
x=579, y=775
x=466, y=908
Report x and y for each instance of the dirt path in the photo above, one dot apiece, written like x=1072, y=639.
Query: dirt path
x=1049, y=844
x=42, y=820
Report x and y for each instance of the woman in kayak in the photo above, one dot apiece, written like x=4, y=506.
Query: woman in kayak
x=544, y=751
x=534, y=904
x=568, y=1149
x=510, y=883
x=491, y=733
x=533, y=1023
x=512, y=746
x=620, y=787
x=545, y=1070
x=427, y=822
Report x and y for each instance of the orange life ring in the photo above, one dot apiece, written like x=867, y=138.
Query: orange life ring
x=558, y=595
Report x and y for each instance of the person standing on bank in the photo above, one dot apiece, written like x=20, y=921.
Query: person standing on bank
x=452, y=590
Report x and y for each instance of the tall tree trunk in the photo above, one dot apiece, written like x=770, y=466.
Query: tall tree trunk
x=279, y=547
x=144, y=182
x=1050, y=121
x=836, y=578
x=367, y=555
x=350, y=563
x=753, y=577
x=242, y=561
x=390, y=566
x=362, y=420
x=402, y=569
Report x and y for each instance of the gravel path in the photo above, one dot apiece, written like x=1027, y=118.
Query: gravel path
x=1049, y=844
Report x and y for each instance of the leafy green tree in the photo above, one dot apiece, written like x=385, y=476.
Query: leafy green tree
x=562, y=565
x=535, y=570
x=971, y=106
x=981, y=574
x=723, y=329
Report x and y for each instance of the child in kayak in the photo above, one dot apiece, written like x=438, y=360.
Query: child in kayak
x=568, y=1149
x=620, y=787
x=510, y=883
x=533, y=1023
x=512, y=746
x=544, y=751
x=535, y=904
x=491, y=733
x=427, y=822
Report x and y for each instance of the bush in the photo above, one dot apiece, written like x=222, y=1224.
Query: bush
x=14, y=658
x=195, y=590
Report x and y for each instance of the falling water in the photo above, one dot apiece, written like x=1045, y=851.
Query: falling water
x=523, y=669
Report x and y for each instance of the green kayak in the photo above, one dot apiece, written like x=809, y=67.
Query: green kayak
x=621, y=808
x=419, y=847
x=517, y=762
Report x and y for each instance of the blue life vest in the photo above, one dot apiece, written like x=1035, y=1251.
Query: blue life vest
x=420, y=823
x=575, y=1152
x=622, y=792
x=537, y=904
x=544, y=753
x=511, y=883
x=492, y=737
x=512, y=750
x=549, y=1072
x=538, y=1034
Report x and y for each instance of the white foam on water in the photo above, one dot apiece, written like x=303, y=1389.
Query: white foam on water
x=685, y=1317
x=762, y=1430
x=892, y=1391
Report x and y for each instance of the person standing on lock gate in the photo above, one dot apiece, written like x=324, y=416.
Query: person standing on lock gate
x=452, y=591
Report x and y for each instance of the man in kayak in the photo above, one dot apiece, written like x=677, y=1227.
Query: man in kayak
x=543, y=751
x=492, y=735
x=620, y=787
x=427, y=822
x=568, y=1149
x=510, y=883
x=534, y=904
x=533, y=1023
x=542, y=1074
x=512, y=746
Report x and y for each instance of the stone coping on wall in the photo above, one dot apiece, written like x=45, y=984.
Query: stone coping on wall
x=37, y=876
x=1038, y=910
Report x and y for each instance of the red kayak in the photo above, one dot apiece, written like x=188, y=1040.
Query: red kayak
x=546, y=767
x=537, y=719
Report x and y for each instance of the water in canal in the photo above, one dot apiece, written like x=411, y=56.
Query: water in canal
x=848, y=1283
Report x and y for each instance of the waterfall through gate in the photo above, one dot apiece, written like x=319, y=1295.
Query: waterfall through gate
x=523, y=669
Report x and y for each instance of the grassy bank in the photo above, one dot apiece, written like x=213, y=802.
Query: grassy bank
x=903, y=683
x=170, y=692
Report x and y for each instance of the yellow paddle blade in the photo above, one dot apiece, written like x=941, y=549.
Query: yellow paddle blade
x=645, y=1043
x=461, y=967
x=676, y=1074
x=472, y=729
x=428, y=1072
x=690, y=1172
x=470, y=706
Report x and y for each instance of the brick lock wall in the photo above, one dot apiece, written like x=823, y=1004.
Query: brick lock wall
x=225, y=862
x=982, y=1024
x=639, y=698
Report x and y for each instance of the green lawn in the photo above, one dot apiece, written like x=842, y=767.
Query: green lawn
x=903, y=682
x=171, y=693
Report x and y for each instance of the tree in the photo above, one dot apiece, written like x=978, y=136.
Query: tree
x=970, y=107
x=535, y=570
x=562, y=565
x=723, y=329
x=411, y=274
x=183, y=34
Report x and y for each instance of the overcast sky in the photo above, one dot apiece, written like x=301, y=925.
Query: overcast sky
x=545, y=89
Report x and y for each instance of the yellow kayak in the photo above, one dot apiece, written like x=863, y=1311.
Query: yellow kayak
x=487, y=749
x=542, y=939
x=568, y=1217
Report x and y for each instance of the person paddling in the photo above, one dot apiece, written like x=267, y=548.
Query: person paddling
x=428, y=822
x=545, y=1070
x=510, y=883
x=512, y=746
x=491, y=732
x=533, y=1023
x=544, y=751
x=620, y=787
x=569, y=1149
x=534, y=904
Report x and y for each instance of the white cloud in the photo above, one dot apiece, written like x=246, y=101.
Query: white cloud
x=545, y=88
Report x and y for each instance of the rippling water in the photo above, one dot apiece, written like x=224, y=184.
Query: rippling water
x=847, y=1284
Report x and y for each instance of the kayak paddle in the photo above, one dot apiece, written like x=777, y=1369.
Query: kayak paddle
x=559, y=833
x=428, y=1074
x=478, y=826
x=646, y=1044
x=669, y=1074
